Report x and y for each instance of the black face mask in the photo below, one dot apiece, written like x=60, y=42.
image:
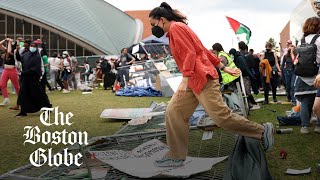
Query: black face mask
x=268, y=50
x=157, y=31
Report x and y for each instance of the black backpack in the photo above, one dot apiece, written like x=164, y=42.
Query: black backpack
x=307, y=58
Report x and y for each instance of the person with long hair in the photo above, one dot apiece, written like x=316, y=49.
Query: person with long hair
x=10, y=71
x=305, y=87
x=199, y=85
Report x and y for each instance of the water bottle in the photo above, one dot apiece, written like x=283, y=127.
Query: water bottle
x=284, y=131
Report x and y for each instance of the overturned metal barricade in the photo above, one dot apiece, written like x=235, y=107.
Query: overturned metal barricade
x=220, y=145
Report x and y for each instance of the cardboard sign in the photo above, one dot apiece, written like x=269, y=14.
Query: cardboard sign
x=140, y=161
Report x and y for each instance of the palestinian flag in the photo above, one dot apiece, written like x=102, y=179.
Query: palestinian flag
x=242, y=32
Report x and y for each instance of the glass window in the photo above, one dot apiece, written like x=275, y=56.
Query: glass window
x=2, y=37
x=36, y=30
x=19, y=27
x=88, y=53
x=62, y=43
x=72, y=51
x=36, y=37
x=45, y=36
x=54, y=51
x=28, y=38
x=53, y=41
x=27, y=28
x=10, y=36
x=2, y=16
x=10, y=25
x=70, y=45
x=79, y=51
x=2, y=28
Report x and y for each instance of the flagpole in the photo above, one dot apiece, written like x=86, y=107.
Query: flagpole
x=232, y=42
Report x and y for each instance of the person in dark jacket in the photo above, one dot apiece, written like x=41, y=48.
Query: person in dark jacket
x=241, y=63
x=32, y=97
x=108, y=76
x=253, y=64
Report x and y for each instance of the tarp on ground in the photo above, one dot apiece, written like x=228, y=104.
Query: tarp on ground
x=139, y=92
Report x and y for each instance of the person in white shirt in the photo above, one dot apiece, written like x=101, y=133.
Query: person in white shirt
x=87, y=72
x=55, y=67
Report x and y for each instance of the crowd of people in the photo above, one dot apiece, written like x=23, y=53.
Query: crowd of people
x=298, y=68
x=27, y=65
x=24, y=64
x=266, y=70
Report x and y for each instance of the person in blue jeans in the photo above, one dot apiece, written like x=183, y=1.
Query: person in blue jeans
x=306, y=87
x=289, y=76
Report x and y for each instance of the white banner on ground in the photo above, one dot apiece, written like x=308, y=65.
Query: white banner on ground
x=129, y=113
x=139, y=162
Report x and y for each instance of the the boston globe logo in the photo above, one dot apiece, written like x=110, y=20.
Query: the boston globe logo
x=33, y=135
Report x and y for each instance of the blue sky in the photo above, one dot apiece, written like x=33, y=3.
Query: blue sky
x=265, y=18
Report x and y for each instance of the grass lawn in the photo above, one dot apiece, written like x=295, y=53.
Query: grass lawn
x=303, y=151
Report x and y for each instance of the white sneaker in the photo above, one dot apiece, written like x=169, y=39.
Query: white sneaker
x=317, y=129
x=255, y=107
x=304, y=130
x=268, y=138
x=65, y=91
x=5, y=102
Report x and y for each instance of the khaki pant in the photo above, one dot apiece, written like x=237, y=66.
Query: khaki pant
x=180, y=109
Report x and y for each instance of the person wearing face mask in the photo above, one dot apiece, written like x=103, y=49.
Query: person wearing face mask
x=199, y=85
x=10, y=71
x=276, y=71
x=67, y=70
x=32, y=97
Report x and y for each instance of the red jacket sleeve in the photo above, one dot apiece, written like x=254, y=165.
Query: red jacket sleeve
x=183, y=43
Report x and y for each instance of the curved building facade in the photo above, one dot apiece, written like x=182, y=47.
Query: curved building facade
x=293, y=30
x=83, y=27
x=301, y=13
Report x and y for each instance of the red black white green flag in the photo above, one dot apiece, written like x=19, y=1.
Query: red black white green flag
x=242, y=32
